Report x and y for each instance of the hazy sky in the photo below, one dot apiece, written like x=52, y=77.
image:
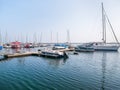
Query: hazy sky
x=81, y=17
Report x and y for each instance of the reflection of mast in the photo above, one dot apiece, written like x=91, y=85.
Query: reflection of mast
x=103, y=71
x=57, y=62
x=21, y=61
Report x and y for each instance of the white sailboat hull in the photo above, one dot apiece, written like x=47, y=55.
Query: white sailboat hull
x=106, y=48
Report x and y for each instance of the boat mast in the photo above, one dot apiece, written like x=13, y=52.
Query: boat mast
x=57, y=37
x=104, y=18
x=68, y=39
x=26, y=38
x=21, y=38
x=0, y=38
x=6, y=38
x=41, y=38
x=34, y=38
x=51, y=37
x=103, y=25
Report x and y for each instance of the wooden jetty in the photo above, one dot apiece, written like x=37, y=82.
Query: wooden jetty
x=20, y=54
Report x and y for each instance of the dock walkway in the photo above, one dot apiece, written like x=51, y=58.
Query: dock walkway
x=22, y=54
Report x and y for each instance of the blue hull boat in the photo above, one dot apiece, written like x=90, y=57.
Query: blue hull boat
x=1, y=47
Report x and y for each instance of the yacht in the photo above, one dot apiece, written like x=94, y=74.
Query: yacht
x=104, y=46
x=53, y=54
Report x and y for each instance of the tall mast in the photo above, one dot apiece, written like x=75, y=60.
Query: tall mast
x=21, y=38
x=57, y=37
x=51, y=37
x=41, y=38
x=34, y=38
x=103, y=25
x=104, y=18
x=6, y=37
x=68, y=36
x=26, y=38
x=0, y=37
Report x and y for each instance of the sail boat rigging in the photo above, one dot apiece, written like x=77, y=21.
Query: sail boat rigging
x=104, y=46
x=104, y=18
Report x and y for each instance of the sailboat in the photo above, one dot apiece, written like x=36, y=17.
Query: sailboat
x=103, y=46
x=6, y=44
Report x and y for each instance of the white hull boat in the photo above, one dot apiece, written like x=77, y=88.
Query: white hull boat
x=103, y=46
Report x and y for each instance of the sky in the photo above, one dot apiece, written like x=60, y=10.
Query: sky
x=49, y=20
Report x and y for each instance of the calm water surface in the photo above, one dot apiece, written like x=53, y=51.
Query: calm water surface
x=86, y=71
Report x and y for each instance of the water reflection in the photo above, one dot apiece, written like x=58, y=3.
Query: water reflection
x=56, y=62
x=21, y=61
x=103, y=71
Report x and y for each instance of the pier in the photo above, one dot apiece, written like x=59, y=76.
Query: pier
x=23, y=54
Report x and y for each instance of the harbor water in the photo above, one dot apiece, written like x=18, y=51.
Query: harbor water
x=86, y=71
